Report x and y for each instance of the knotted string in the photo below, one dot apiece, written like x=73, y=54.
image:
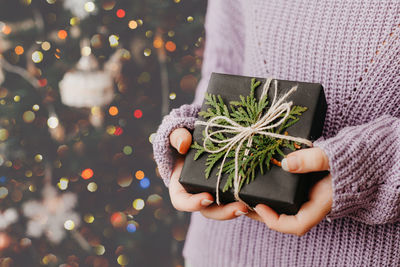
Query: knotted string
x=246, y=133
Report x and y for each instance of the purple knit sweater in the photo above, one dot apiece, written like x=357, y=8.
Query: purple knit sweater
x=353, y=49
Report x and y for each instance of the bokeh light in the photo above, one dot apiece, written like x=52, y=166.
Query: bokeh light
x=88, y=218
x=19, y=50
x=110, y=129
x=99, y=250
x=74, y=21
x=139, y=175
x=125, y=180
x=118, y=219
x=172, y=96
x=89, y=7
x=118, y=131
x=170, y=46
x=151, y=137
x=123, y=260
x=3, y=134
x=62, y=34
x=132, y=24
x=52, y=122
x=113, y=39
x=131, y=228
x=137, y=113
x=145, y=182
x=92, y=187
x=37, y=56
x=113, y=111
x=120, y=13
x=3, y=192
x=87, y=173
x=69, y=225
x=147, y=52
x=158, y=42
x=38, y=158
x=108, y=5
x=127, y=150
x=138, y=204
x=46, y=46
x=28, y=116
x=63, y=183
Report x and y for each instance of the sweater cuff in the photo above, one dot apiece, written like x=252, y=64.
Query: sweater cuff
x=184, y=116
x=360, y=159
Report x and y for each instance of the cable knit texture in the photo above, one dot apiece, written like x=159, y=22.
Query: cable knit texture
x=352, y=48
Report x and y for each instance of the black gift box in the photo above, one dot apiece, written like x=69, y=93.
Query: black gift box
x=281, y=190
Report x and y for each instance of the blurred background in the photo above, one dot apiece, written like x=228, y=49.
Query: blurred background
x=83, y=87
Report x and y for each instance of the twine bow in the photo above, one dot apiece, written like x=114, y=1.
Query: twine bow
x=242, y=134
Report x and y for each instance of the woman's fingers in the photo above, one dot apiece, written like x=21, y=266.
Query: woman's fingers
x=309, y=215
x=224, y=212
x=306, y=160
x=181, y=199
x=181, y=140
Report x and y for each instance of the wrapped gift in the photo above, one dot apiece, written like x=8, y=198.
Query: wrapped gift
x=245, y=127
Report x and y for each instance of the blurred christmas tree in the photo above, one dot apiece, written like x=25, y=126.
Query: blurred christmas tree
x=83, y=85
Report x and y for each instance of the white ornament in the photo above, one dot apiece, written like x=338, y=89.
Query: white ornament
x=114, y=64
x=78, y=8
x=87, y=86
x=8, y=217
x=49, y=216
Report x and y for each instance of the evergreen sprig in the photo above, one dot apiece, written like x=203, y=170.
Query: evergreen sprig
x=245, y=112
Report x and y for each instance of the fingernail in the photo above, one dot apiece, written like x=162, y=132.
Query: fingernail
x=180, y=141
x=240, y=213
x=206, y=202
x=290, y=163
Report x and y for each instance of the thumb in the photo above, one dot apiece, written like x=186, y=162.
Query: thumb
x=306, y=160
x=181, y=139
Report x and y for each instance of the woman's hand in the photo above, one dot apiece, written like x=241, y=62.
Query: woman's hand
x=320, y=196
x=181, y=140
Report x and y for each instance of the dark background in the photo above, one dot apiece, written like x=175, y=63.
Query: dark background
x=113, y=231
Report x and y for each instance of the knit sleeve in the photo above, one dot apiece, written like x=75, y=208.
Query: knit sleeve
x=365, y=171
x=183, y=117
x=223, y=53
x=364, y=157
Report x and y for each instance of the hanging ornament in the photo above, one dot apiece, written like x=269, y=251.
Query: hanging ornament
x=8, y=217
x=51, y=216
x=80, y=8
x=87, y=86
x=114, y=64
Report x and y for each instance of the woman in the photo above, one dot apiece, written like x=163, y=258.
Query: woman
x=353, y=216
